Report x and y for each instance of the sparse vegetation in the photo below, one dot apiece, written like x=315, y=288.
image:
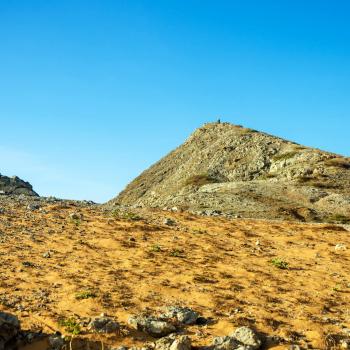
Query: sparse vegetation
x=156, y=248
x=130, y=216
x=338, y=219
x=85, y=295
x=177, y=252
x=200, y=180
x=284, y=156
x=70, y=325
x=279, y=263
x=342, y=163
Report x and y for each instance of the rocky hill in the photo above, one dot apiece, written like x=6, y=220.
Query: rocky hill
x=15, y=186
x=228, y=169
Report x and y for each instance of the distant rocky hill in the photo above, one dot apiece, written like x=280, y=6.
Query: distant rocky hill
x=15, y=186
x=225, y=168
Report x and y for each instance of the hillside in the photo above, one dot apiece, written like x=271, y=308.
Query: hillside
x=224, y=168
x=15, y=186
x=64, y=263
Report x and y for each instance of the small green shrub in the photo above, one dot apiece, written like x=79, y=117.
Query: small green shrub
x=338, y=163
x=279, y=263
x=70, y=325
x=177, y=252
x=200, y=180
x=339, y=219
x=156, y=248
x=85, y=295
x=284, y=156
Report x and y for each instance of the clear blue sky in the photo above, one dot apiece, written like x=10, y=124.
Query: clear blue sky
x=94, y=91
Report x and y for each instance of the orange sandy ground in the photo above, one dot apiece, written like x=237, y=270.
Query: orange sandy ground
x=219, y=267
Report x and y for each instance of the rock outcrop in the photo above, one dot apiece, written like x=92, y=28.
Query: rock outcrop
x=224, y=168
x=15, y=186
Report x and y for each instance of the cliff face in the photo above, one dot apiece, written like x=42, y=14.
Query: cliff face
x=227, y=168
x=15, y=186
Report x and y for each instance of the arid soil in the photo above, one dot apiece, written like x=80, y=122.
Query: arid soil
x=288, y=281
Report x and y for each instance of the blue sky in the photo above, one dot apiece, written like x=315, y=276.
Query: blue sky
x=93, y=92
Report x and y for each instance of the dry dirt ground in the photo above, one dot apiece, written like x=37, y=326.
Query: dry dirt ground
x=121, y=265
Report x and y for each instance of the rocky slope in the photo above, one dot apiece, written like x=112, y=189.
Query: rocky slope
x=15, y=186
x=224, y=168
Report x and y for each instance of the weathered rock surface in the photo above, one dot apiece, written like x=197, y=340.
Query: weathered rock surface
x=183, y=315
x=173, y=342
x=103, y=324
x=9, y=327
x=152, y=325
x=225, y=169
x=15, y=186
x=243, y=338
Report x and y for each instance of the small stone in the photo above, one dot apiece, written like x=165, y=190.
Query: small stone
x=33, y=206
x=47, y=255
x=340, y=246
x=169, y=222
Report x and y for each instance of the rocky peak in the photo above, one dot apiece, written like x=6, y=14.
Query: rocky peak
x=229, y=168
x=15, y=186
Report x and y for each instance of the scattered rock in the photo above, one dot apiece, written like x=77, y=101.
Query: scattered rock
x=151, y=325
x=340, y=246
x=183, y=315
x=103, y=324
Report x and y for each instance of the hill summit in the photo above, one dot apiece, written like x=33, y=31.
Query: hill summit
x=228, y=169
x=15, y=186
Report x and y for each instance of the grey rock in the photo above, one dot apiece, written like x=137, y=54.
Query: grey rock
x=225, y=343
x=183, y=315
x=152, y=325
x=56, y=342
x=15, y=186
x=103, y=324
x=47, y=255
x=9, y=328
x=33, y=206
x=247, y=336
x=173, y=342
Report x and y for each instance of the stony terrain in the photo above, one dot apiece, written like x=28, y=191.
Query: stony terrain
x=228, y=169
x=111, y=278
x=14, y=185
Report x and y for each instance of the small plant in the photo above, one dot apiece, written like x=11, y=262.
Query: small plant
x=280, y=264
x=126, y=215
x=85, y=295
x=156, y=248
x=200, y=180
x=177, y=252
x=339, y=219
x=284, y=156
x=70, y=325
x=343, y=163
